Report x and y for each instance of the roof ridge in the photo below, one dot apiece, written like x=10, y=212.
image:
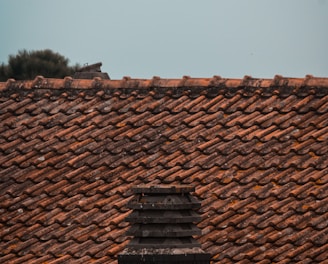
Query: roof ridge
x=130, y=83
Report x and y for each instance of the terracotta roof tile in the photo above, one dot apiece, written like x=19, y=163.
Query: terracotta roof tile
x=255, y=150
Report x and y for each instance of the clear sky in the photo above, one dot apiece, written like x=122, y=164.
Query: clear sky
x=146, y=38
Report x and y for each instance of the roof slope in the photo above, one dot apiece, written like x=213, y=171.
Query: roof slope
x=256, y=151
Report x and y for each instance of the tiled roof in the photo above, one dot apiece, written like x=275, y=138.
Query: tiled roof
x=256, y=151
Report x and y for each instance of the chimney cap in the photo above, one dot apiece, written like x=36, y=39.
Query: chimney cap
x=162, y=221
x=163, y=189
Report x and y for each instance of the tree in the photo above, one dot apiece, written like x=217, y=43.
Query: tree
x=26, y=65
x=3, y=72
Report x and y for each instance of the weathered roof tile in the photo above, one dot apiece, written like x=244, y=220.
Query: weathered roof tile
x=255, y=150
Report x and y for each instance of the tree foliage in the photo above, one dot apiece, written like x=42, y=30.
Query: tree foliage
x=26, y=65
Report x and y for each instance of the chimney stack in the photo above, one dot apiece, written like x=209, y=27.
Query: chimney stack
x=163, y=226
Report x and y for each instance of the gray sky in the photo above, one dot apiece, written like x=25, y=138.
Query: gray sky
x=147, y=38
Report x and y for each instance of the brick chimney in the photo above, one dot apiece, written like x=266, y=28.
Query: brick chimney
x=163, y=225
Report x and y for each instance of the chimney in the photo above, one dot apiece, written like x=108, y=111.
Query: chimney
x=90, y=72
x=163, y=224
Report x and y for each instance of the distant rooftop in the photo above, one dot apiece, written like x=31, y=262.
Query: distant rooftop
x=91, y=71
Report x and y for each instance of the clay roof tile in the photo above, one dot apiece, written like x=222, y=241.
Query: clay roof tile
x=254, y=149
